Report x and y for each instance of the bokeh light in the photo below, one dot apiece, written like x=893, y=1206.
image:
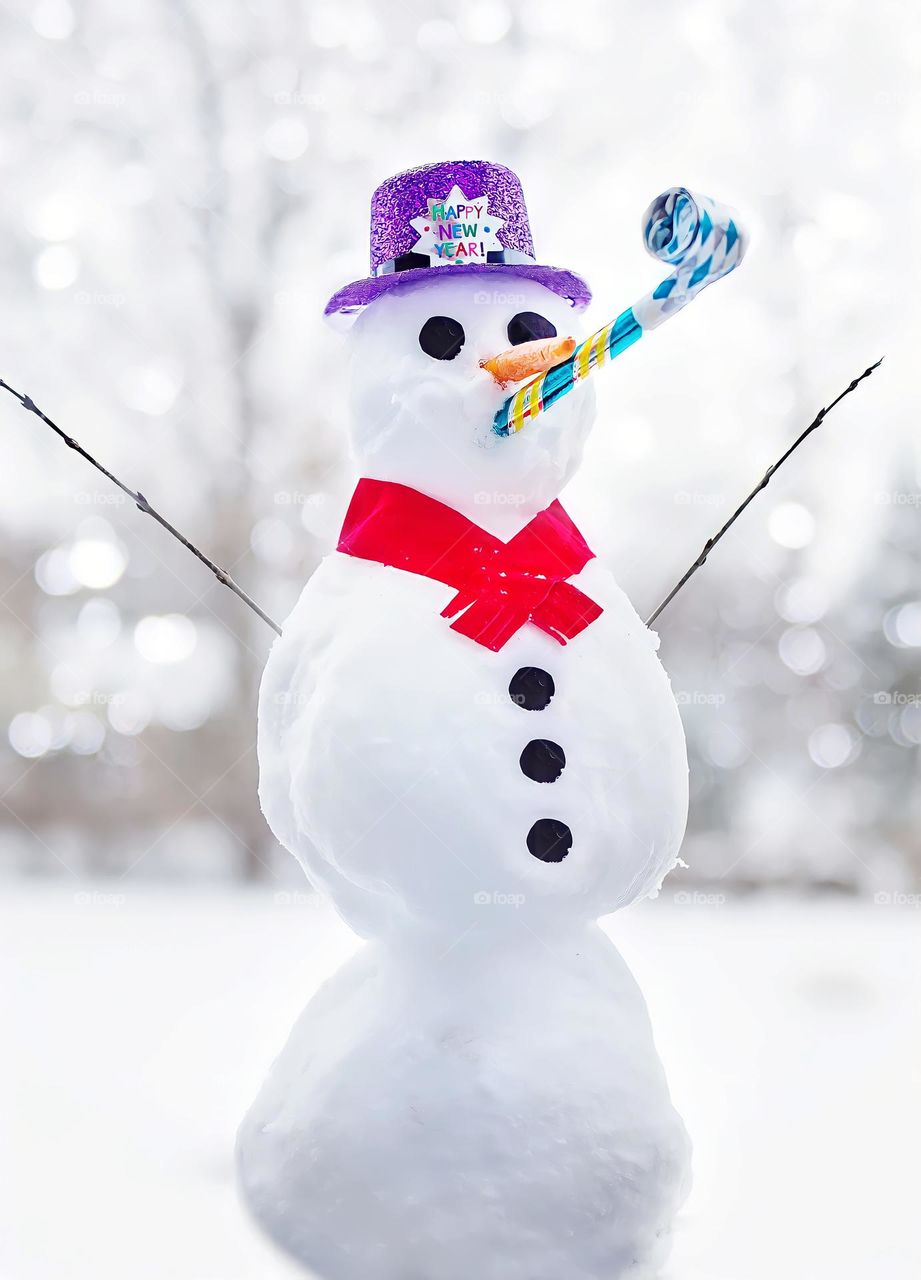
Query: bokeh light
x=791, y=525
x=802, y=650
x=833, y=745
x=97, y=563
x=57, y=267
x=165, y=639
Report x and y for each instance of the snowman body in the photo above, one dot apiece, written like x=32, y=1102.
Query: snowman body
x=477, y=1092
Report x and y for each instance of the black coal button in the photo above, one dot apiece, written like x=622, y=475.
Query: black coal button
x=550, y=840
x=531, y=688
x=542, y=760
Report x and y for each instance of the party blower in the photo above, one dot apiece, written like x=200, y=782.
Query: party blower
x=701, y=239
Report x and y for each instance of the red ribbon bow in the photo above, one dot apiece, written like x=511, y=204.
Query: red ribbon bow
x=500, y=585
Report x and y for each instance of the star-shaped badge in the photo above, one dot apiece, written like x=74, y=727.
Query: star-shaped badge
x=457, y=230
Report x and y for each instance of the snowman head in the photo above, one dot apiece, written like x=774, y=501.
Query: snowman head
x=456, y=315
x=431, y=365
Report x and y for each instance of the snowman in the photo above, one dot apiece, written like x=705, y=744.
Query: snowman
x=468, y=741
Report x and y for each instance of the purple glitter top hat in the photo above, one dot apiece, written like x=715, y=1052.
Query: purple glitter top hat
x=460, y=214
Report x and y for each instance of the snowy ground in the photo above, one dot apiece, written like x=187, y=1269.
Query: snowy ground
x=137, y=1027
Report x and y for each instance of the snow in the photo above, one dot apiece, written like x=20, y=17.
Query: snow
x=485, y=1102
x=140, y=1021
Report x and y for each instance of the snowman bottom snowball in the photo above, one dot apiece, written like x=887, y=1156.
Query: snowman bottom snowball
x=467, y=740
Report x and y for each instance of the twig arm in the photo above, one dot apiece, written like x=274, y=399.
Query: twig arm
x=762, y=484
x=143, y=505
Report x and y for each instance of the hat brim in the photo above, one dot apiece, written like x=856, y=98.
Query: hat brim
x=345, y=305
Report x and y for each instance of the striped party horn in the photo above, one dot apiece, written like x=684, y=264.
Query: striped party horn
x=701, y=239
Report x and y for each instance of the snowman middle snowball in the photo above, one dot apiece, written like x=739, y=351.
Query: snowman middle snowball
x=471, y=812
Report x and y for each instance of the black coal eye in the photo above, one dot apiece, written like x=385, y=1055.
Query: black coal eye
x=527, y=326
x=441, y=337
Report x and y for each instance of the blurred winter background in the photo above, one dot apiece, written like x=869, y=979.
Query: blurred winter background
x=184, y=184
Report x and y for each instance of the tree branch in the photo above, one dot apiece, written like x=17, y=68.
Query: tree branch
x=143, y=505
x=762, y=484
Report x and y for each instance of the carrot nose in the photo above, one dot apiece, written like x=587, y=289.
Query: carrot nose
x=528, y=359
